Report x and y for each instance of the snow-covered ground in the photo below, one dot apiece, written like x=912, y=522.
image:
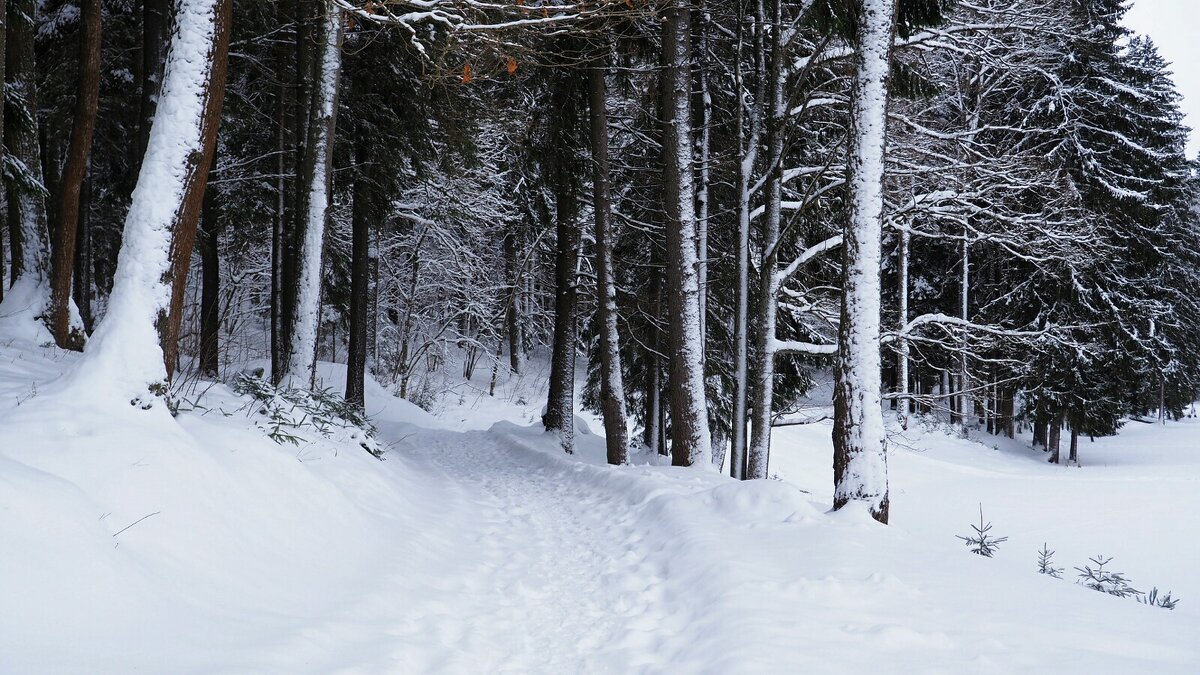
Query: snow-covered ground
x=477, y=547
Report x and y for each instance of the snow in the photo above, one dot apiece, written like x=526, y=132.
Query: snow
x=195, y=544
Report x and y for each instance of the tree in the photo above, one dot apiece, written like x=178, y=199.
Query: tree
x=133, y=352
x=690, y=440
x=612, y=386
x=29, y=240
x=859, y=440
x=64, y=323
x=317, y=179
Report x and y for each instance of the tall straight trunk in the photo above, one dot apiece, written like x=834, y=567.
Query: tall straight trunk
x=210, y=283
x=690, y=440
x=82, y=278
x=512, y=306
x=1074, y=456
x=703, y=151
x=29, y=240
x=653, y=394
x=306, y=15
x=278, y=231
x=134, y=348
x=612, y=385
x=763, y=368
x=1040, y=426
x=748, y=126
x=560, y=400
x=964, y=377
x=317, y=180
x=361, y=218
x=905, y=404
x=64, y=324
x=156, y=20
x=1055, y=438
x=859, y=441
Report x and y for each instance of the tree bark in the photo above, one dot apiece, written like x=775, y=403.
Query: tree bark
x=156, y=19
x=763, y=367
x=361, y=218
x=160, y=229
x=859, y=441
x=512, y=276
x=1055, y=438
x=690, y=440
x=560, y=400
x=210, y=284
x=612, y=385
x=318, y=190
x=82, y=278
x=69, y=334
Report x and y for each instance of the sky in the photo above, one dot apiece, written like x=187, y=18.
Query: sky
x=1174, y=25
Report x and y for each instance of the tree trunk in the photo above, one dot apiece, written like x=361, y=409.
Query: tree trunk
x=82, y=277
x=690, y=440
x=156, y=20
x=560, y=400
x=210, y=283
x=1074, y=457
x=653, y=395
x=859, y=441
x=905, y=404
x=160, y=228
x=362, y=216
x=513, y=328
x=64, y=323
x=612, y=385
x=1055, y=436
x=763, y=369
x=29, y=240
x=279, y=232
x=318, y=189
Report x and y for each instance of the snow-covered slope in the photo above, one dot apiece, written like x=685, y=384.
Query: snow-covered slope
x=488, y=551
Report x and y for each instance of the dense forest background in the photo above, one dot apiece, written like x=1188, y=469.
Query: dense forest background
x=667, y=191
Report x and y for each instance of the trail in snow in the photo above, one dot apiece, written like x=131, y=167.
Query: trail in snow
x=520, y=570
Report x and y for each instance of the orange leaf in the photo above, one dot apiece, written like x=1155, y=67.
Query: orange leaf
x=512, y=65
x=466, y=76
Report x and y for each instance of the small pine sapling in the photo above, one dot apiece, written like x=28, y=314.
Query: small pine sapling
x=982, y=543
x=1099, y=579
x=1154, y=599
x=1046, y=563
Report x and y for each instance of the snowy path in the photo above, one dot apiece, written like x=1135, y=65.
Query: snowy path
x=518, y=570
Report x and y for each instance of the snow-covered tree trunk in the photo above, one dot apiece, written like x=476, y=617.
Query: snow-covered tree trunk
x=612, y=386
x=964, y=377
x=64, y=319
x=763, y=370
x=317, y=195
x=29, y=240
x=690, y=440
x=127, y=353
x=859, y=439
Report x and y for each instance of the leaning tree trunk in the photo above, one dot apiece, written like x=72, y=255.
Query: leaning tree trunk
x=29, y=240
x=318, y=182
x=763, y=370
x=65, y=324
x=859, y=441
x=691, y=443
x=134, y=348
x=210, y=283
x=612, y=386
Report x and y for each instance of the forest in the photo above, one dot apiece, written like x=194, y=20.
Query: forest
x=981, y=210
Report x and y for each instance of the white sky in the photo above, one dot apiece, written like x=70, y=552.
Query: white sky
x=1174, y=25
